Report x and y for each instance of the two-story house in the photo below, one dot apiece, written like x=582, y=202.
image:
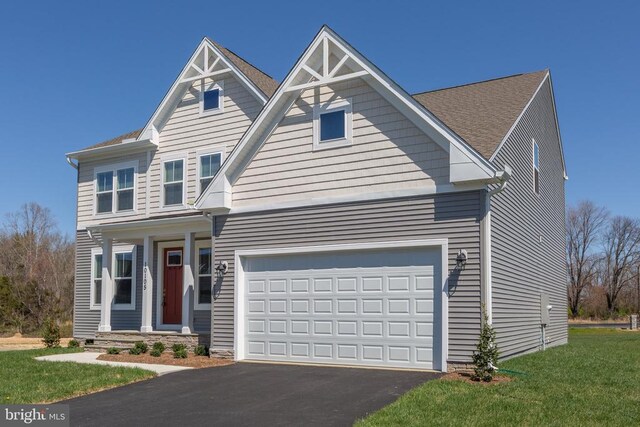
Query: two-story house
x=331, y=218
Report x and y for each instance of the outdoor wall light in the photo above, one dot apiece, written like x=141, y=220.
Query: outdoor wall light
x=461, y=259
x=222, y=268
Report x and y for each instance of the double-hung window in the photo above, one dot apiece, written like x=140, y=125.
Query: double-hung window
x=173, y=173
x=332, y=125
x=536, y=168
x=204, y=278
x=115, y=188
x=208, y=165
x=96, y=279
x=123, y=279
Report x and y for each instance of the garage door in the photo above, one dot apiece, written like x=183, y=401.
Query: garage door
x=371, y=308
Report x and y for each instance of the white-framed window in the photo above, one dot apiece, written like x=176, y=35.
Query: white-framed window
x=95, y=294
x=115, y=188
x=204, y=277
x=208, y=165
x=211, y=98
x=174, y=258
x=124, y=279
x=536, y=167
x=332, y=125
x=123, y=272
x=173, y=182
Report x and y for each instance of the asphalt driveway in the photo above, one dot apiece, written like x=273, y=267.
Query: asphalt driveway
x=248, y=394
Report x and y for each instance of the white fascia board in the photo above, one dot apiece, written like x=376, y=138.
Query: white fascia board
x=217, y=196
x=121, y=148
x=176, y=90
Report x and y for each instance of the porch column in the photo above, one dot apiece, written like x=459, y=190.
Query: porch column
x=187, y=282
x=147, y=284
x=107, y=286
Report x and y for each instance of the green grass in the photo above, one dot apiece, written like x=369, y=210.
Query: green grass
x=26, y=380
x=592, y=381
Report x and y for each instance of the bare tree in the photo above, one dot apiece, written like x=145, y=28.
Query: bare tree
x=621, y=251
x=584, y=222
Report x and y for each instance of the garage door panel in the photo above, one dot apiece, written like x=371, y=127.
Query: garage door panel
x=375, y=316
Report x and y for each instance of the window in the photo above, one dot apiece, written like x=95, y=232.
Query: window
x=332, y=125
x=174, y=258
x=104, y=192
x=123, y=279
x=211, y=98
x=125, y=189
x=96, y=280
x=203, y=279
x=536, y=168
x=115, y=188
x=173, y=182
x=208, y=166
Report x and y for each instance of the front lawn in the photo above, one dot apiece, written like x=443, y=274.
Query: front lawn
x=594, y=380
x=26, y=380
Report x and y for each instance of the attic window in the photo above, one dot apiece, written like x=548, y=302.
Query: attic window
x=536, y=168
x=211, y=98
x=332, y=127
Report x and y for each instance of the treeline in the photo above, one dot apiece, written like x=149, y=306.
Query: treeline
x=603, y=262
x=36, y=271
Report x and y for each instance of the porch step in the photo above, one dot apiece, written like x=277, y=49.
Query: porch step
x=126, y=339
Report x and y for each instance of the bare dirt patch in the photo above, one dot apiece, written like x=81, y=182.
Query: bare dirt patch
x=167, y=359
x=18, y=342
x=466, y=377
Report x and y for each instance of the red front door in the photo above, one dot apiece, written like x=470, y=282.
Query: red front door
x=172, y=286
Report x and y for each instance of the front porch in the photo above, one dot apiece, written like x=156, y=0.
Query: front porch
x=160, y=288
x=124, y=340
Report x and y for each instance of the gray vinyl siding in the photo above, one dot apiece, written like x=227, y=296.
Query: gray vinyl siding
x=388, y=153
x=454, y=216
x=522, y=266
x=86, y=321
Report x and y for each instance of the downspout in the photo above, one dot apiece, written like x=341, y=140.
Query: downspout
x=73, y=165
x=502, y=177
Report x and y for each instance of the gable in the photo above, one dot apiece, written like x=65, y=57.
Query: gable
x=327, y=61
x=388, y=154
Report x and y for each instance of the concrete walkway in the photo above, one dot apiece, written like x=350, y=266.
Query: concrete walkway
x=92, y=358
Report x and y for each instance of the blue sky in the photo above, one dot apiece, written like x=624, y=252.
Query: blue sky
x=76, y=73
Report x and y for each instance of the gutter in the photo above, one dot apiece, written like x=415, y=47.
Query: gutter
x=73, y=165
x=502, y=177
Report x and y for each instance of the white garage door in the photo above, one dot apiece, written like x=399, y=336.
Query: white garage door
x=369, y=308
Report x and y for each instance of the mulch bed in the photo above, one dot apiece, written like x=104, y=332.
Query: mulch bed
x=466, y=377
x=166, y=358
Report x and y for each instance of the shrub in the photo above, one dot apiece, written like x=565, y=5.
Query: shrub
x=201, y=350
x=178, y=347
x=142, y=346
x=51, y=334
x=155, y=352
x=73, y=344
x=485, y=358
x=181, y=353
x=159, y=346
x=135, y=351
x=113, y=350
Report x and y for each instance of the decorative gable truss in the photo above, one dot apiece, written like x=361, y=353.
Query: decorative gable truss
x=327, y=60
x=207, y=62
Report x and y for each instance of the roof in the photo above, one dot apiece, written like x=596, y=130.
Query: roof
x=482, y=113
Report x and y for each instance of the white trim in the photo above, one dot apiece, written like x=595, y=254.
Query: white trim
x=524, y=110
x=159, y=289
x=486, y=257
x=124, y=250
x=92, y=290
x=535, y=147
x=120, y=149
x=114, y=168
x=318, y=110
x=422, y=191
x=217, y=85
x=184, y=159
x=239, y=309
x=199, y=155
x=201, y=244
x=179, y=87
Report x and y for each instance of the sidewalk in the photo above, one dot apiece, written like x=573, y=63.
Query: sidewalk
x=92, y=358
